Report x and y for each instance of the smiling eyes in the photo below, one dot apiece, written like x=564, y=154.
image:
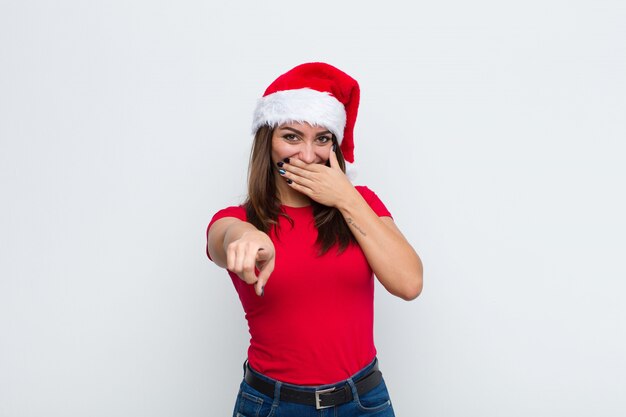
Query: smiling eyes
x=292, y=138
x=325, y=139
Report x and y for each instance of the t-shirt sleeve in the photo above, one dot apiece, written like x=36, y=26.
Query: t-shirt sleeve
x=234, y=211
x=374, y=202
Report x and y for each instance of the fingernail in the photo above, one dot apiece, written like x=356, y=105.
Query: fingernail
x=334, y=147
x=262, y=291
x=286, y=160
x=280, y=164
x=281, y=171
x=289, y=181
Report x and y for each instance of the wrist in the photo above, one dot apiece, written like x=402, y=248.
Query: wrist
x=257, y=235
x=349, y=201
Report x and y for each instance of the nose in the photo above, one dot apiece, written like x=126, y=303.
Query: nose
x=307, y=153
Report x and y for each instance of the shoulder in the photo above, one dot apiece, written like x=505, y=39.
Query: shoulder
x=367, y=193
x=364, y=190
x=373, y=200
x=238, y=212
x=232, y=211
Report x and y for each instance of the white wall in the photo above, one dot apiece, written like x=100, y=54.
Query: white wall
x=493, y=130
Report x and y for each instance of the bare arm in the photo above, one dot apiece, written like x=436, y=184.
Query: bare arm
x=240, y=247
x=392, y=258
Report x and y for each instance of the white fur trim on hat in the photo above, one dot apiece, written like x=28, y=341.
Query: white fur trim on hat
x=300, y=106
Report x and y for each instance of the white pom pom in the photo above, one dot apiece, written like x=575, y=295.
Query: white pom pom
x=351, y=171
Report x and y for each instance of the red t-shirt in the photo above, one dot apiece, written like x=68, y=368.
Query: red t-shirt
x=315, y=323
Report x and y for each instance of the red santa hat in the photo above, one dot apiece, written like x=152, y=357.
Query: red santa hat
x=315, y=93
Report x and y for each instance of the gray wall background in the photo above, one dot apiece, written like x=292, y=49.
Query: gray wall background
x=493, y=130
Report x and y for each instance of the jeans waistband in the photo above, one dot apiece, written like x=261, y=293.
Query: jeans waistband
x=358, y=375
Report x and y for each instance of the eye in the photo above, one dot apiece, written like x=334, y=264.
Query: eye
x=290, y=137
x=324, y=139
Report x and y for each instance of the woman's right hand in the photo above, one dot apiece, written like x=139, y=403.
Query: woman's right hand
x=252, y=251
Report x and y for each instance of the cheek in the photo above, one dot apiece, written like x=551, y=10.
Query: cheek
x=278, y=151
x=275, y=155
x=282, y=150
x=324, y=153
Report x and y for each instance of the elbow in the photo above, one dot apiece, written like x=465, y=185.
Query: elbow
x=411, y=292
x=405, y=283
x=413, y=285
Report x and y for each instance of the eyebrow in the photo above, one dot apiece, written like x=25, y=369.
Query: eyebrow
x=325, y=132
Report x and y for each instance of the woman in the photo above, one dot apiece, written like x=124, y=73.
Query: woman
x=302, y=251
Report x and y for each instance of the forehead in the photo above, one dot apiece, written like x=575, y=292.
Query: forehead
x=302, y=127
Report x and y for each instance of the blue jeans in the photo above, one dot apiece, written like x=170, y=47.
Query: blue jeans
x=252, y=403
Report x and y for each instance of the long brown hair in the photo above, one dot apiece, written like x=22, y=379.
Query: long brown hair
x=263, y=206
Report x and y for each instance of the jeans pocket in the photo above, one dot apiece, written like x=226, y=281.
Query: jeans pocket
x=250, y=403
x=376, y=400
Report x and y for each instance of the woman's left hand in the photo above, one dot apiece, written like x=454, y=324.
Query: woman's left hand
x=326, y=185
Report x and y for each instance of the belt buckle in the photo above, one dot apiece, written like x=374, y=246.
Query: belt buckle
x=318, y=400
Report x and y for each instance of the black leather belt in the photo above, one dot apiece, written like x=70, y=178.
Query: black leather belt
x=322, y=398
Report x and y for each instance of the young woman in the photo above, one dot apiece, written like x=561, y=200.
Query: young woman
x=302, y=252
